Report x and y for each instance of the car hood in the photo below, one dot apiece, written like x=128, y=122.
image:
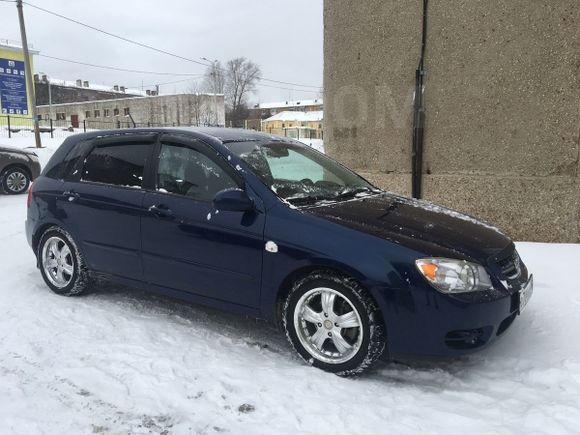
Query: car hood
x=16, y=150
x=416, y=224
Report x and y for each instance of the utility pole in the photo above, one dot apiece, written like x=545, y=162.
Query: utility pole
x=29, y=83
x=42, y=74
x=215, y=79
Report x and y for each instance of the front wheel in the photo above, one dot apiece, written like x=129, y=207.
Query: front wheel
x=15, y=181
x=334, y=324
x=61, y=264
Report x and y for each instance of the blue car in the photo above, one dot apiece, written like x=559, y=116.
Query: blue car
x=268, y=227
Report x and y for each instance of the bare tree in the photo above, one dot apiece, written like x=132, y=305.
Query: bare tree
x=241, y=75
x=214, y=79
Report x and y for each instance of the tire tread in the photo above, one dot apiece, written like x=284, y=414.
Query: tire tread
x=377, y=342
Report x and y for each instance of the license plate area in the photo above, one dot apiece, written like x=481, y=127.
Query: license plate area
x=525, y=294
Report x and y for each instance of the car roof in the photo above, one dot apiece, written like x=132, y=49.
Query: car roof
x=221, y=134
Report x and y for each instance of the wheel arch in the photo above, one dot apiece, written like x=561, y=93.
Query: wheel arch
x=37, y=235
x=16, y=165
x=286, y=285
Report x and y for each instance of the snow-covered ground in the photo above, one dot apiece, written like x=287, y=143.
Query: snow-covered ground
x=121, y=361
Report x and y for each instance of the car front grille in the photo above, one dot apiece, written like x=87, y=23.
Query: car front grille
x=510, y=267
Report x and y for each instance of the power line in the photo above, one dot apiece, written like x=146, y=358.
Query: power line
x=288, y=89
x=150, y=47
x=191, y=75
x=114, y=68
x=116, y=36
x=162, y=84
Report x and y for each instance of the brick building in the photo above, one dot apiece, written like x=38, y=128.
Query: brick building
x=65, y=91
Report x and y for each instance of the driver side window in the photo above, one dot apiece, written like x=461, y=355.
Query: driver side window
x=188, y=172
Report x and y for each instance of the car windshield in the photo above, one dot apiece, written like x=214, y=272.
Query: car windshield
x=299, y=174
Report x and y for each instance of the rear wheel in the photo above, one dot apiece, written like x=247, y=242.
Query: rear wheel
x=61, y=264
x=334, y=324
x=15, y=181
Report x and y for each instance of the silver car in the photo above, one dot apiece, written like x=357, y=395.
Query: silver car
x=18, y=168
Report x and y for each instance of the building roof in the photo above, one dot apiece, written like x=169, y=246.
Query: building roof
x=281, y=104
x=8, y=44
x=315, y=116
x=128, y=97
x=94, y=87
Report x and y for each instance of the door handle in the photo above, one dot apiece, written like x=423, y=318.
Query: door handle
x=70, y=195
x=161, y=211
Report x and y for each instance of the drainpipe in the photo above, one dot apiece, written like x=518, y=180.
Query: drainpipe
x=419, y=114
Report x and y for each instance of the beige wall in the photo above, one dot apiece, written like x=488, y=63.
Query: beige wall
x=502, y=97
x=168, y=110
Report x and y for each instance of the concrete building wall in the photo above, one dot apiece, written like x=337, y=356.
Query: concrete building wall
x=162, y=110
x=502, y=98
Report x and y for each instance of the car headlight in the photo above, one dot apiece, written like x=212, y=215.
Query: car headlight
x=454, y=276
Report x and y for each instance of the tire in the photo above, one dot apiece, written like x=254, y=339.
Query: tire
x=58, y=251
x=15, y=181
x=327, y=335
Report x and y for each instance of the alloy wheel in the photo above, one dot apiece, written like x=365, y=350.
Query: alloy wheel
x=57, y=262
x=328, y=325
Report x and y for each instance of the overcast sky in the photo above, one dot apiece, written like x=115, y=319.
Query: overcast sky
x=284, y=38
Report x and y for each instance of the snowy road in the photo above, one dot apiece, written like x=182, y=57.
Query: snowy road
x=121, y=361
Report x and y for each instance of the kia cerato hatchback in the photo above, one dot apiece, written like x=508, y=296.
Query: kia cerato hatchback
x=268, y=227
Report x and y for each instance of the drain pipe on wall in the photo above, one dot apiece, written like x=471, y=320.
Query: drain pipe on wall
x=419, y=114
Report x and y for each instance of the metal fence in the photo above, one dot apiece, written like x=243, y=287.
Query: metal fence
x=11, y=126
x=14, y=126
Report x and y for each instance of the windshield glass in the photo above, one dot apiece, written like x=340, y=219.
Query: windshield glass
x=299, y=174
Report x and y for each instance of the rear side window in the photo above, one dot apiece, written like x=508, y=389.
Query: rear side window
x=117, y=164
x=67, y=168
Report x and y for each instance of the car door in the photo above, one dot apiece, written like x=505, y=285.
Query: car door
x=102, y=202
x=189, y=246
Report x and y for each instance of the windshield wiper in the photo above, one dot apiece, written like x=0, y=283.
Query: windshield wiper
x=307, y=199
x=351, y=192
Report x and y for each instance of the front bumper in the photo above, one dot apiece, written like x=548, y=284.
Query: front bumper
x=422, y=321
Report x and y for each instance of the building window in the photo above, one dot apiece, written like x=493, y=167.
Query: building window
x=97, y=113
x=126, y=111
x=87, y=114
x=320, y=126
x=283, y=125
x=60, y=116
x=115, y=112
x=107, y=112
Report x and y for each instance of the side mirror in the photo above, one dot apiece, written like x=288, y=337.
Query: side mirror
x=232, y=200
